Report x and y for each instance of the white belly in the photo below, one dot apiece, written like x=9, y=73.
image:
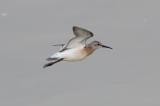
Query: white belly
x=74, y=54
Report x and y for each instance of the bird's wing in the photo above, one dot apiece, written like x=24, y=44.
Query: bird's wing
x=81, y=32
x=81, y=36
x=53, y=62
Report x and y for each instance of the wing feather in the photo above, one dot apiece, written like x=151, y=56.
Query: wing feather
x=81, y=36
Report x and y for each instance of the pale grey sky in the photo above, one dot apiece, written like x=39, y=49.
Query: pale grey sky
x=126, y=76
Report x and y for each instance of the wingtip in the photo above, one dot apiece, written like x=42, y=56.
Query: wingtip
x=45, y=66
x=74, y=28
x=51, y=63
x=50, y=59
x=77, y=27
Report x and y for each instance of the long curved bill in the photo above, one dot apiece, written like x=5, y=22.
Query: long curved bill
x=104, y=46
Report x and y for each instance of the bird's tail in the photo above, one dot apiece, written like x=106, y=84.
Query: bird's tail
x=51, y=63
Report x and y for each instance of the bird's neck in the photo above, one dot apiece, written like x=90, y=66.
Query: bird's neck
x=89, y=50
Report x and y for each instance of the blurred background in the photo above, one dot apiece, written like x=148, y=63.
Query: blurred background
x=128, y=75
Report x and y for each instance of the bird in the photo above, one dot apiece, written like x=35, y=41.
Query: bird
x=76, y=48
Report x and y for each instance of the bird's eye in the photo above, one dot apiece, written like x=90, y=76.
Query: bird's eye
x=96, y=44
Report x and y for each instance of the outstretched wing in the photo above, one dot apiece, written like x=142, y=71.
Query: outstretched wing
x=81, y=32
x=81, y=36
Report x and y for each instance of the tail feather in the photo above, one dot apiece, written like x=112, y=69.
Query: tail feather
x=51, y=63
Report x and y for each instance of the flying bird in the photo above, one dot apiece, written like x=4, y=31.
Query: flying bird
x=76, y=48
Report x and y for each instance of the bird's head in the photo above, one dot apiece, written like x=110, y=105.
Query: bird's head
x=97, y=44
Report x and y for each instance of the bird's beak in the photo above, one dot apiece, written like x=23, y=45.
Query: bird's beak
x=104, y=46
